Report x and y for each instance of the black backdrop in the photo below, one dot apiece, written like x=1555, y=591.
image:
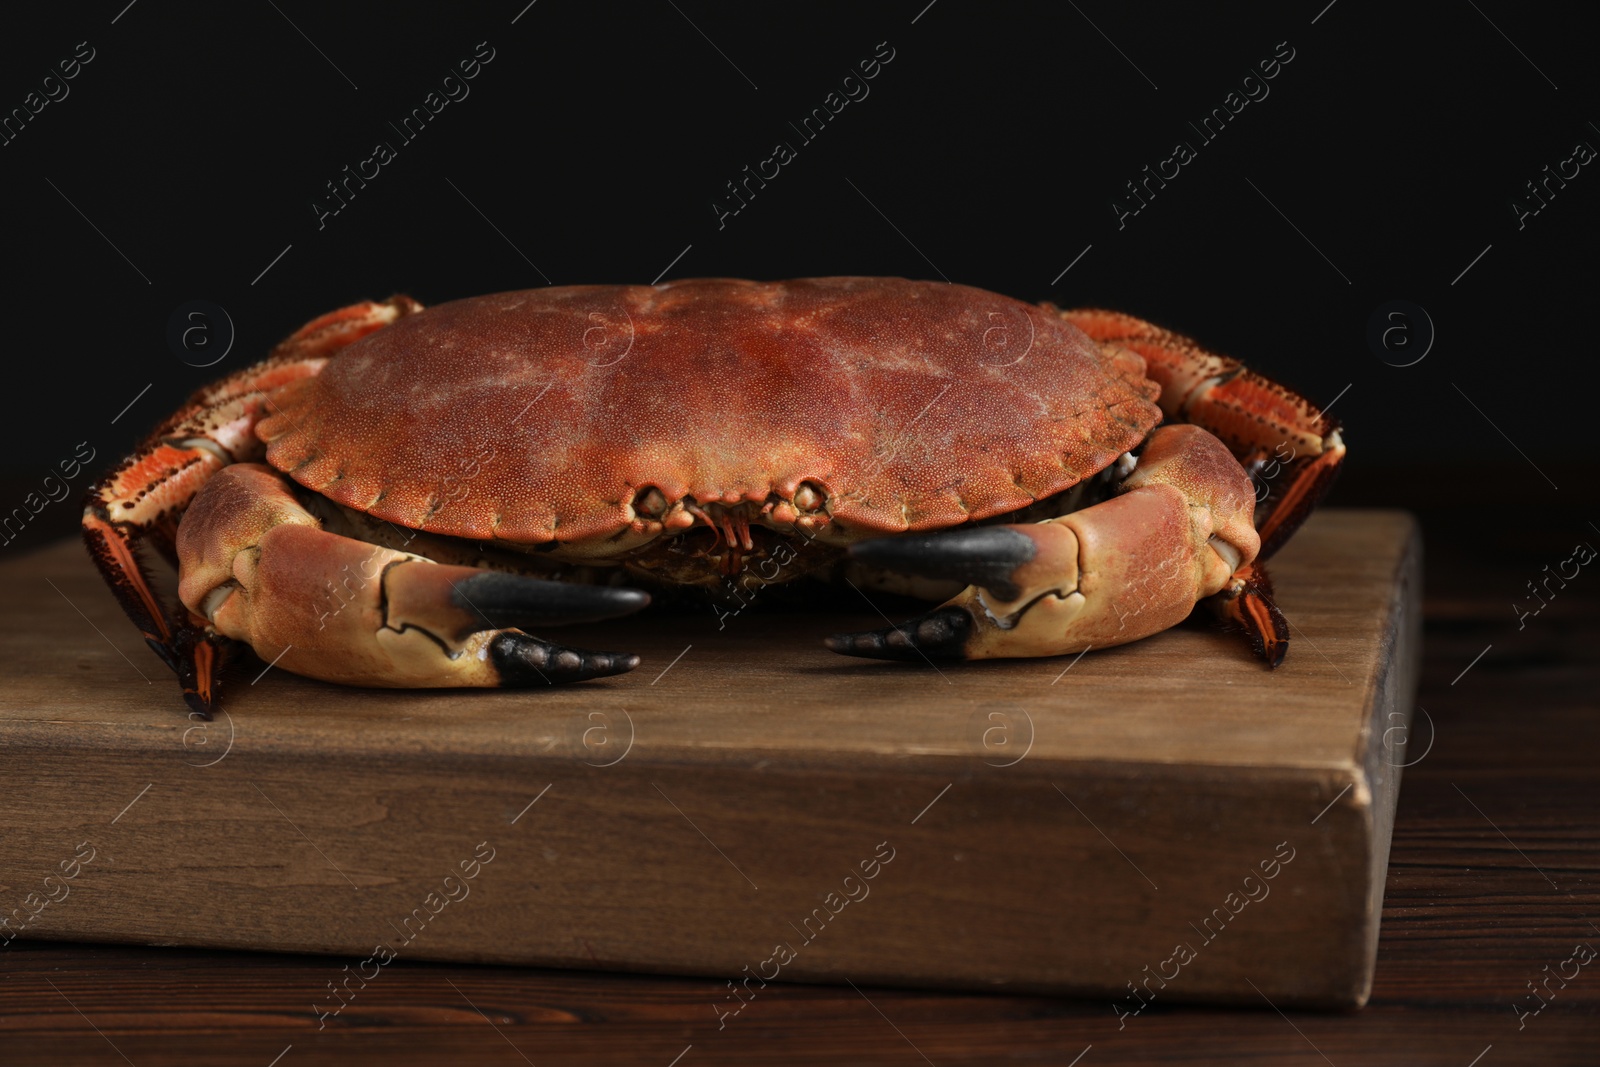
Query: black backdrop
x=1383, y=160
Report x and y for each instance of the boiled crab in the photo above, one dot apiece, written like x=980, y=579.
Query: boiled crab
x=397, y=496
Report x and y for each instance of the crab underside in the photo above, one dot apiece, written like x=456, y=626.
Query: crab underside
x=398, y=497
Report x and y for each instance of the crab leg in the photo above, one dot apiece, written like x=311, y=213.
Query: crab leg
x=145, y=496
x=1263, y=423
x=1180, y=530
x=259, y=568
x=1293, y=449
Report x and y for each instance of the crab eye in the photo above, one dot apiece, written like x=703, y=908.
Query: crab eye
x=809, y=497
x=652, y=505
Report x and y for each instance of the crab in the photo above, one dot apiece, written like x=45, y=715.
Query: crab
x=406, y=497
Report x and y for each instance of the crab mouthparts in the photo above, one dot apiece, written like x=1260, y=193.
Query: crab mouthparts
x=730, y=527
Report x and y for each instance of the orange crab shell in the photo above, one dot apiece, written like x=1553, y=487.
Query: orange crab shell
x=544, y=414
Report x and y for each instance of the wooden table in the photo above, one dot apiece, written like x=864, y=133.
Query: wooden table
x=1491, y=879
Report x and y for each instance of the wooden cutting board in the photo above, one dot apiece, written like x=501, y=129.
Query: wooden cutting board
x=1166, y=820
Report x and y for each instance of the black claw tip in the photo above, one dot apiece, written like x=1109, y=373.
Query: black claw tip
x=506, y=600
x=982, y=555
x=939, y=635
x=523, y=660
x=198, y=706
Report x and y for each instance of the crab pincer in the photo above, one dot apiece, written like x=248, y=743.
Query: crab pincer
x=458, y=602
x=261, y=569
x=1178, y=531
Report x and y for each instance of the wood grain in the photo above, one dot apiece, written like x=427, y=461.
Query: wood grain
x=1467, y=920
x=768, y=808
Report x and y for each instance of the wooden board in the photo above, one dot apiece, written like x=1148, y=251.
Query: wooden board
x=1052, y=828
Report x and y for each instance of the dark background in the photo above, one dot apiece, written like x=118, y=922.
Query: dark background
x=989, y=151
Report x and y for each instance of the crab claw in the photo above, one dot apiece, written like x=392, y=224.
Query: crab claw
x=1123, y=569
x=523, y=660
x=460, y=601
x=455, y=603
x=257, y=567
x=982, y=555
x=940, y=634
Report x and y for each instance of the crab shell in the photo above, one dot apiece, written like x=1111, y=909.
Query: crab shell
x=849, y=406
